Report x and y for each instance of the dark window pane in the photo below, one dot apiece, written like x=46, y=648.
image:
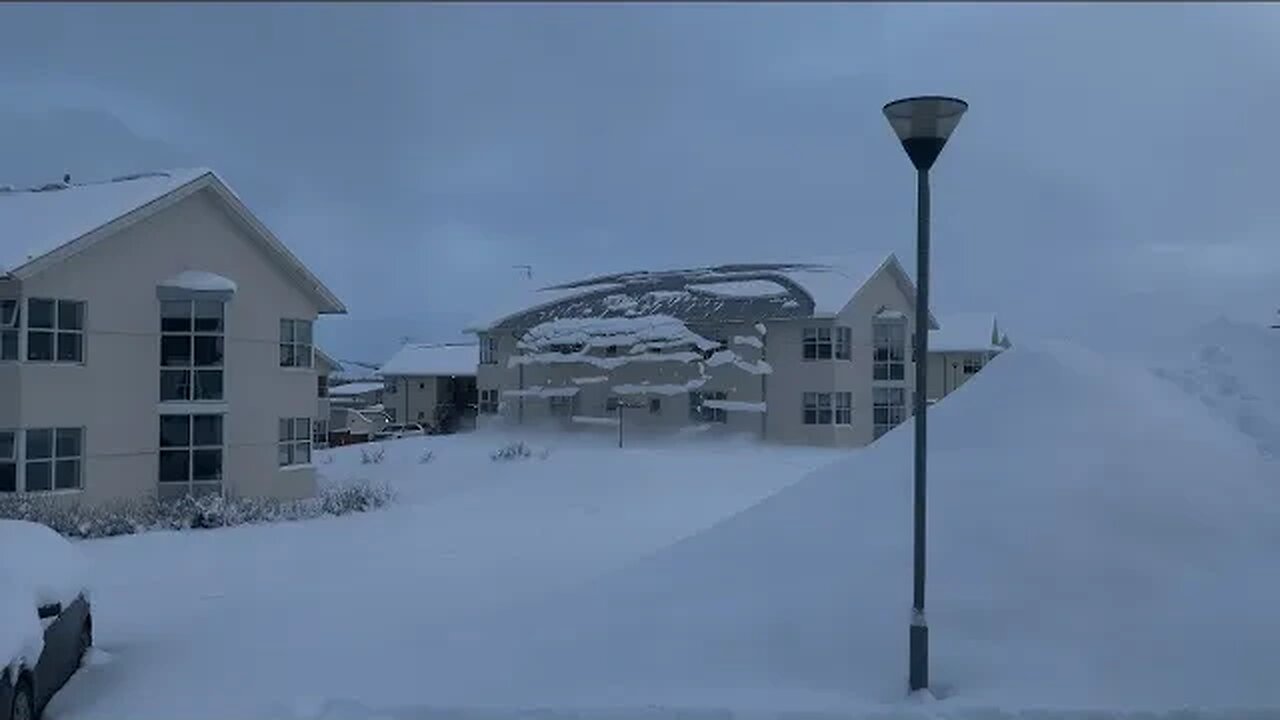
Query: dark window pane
x=66, y=475
x=70, y=315
x=896, y=371
x=68, y=442
x=284, y=430
x=175, y=385
x=208, y=316
x=8, y=477
x=824, y=351
x=40, y=314
x=286, y=331
x=810, y=351
x=39, y=444
x=284, y=455
x=302, y=356
x=208, y=351
x=175, y=316
x=8, y=446
x=39, y=345
x=655, y=405
x=206, y=465
x=208, y=385
x=175, y=350
x=175, y=431
x=301, y=427
x=69, y=347
x=174, y=466
x=302, y=454
x=206, y=430
x=8, y=313
x=8, y=344
x=302, y=332
x=39, y=476
x=286, y=356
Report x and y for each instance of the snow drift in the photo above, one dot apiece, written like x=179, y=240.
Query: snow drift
x=1097, y=539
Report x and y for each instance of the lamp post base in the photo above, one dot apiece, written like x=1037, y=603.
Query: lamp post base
x=919, y=675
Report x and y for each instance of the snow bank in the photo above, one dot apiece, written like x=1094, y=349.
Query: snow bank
x=42, y=561
x=21, y=637
x=1096, y=540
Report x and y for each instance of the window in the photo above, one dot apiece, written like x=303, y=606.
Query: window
x=889, y=339
x=655, y=406
x=8, y=461
x=817, y=343
x=611, y=404
x=817, y=408
x=320, y=433
x=844, y=408
x=888, y=408
x=844, y=343
x=561, y=406
x=488, y=402
x=699, y=412
x=190, y=455
x=55, y=331
x=191, y=350
x=322, y=386
x=295, y=442
x=611, y=350
x=489, y=350
x=295, y=343
x=972, y=365
x=53, y=459
x=10, y=315
x=390, y=387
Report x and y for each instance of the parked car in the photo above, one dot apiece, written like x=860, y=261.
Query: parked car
x=392, y=432
x=46, y=622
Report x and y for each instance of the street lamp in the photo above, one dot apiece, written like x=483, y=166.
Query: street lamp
x=923, y=124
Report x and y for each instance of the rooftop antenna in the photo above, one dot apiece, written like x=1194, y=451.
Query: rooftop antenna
x=528, y=270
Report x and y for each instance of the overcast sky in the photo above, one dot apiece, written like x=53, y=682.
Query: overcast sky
x=1116, y=170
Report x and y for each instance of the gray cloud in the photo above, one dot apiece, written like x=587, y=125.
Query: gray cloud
x=1116, y=156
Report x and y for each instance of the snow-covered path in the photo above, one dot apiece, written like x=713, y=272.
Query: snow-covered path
x=225, y=623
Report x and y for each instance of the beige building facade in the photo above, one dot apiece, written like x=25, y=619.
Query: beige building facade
x=157, y=342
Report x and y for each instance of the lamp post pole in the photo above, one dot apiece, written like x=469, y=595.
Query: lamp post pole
x=923, y=125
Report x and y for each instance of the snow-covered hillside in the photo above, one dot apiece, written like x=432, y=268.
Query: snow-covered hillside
x=1234, y=369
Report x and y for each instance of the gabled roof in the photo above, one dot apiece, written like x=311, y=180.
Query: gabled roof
x=355, y=388
x=968, y=332
x=821, y=287
x=424, y=359
x=46, y=225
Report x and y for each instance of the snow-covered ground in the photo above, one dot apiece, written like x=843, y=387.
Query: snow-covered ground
x=246, y=622
x=1099, y=541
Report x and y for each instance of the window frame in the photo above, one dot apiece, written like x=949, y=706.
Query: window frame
x=882, y=368
x=193, y=371
x=489, y=405
x=55, y=460
x=886, y=414
x=190, y=484
x=56, y=331
x=319, y=434
x=813, y=346
x=13, y=460
x=972, y=365
x=700, y=413
x=817, y=408
x=488, y=350
x=291, y=358
x=11, y=329
x=843, y=408
x=564, y=406
x=293, y=435
x=843, y=343
x=322, y=385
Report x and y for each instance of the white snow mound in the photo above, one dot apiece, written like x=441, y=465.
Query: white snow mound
x=1097, y=539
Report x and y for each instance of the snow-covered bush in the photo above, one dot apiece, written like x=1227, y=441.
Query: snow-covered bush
x=427, y=456
x=210, y=511
x=514, y=451
x=372, y=456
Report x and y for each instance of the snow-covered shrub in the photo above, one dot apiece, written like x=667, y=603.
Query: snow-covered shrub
x=326, y=458
x=372, y=456
x=210, y=511
x=427, y=456
x=514, y=451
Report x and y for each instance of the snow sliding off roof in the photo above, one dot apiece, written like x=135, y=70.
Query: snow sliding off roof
x=720, y=293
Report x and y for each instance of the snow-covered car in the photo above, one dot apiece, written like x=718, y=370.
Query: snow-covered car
x=46, y=623
x=393, y=432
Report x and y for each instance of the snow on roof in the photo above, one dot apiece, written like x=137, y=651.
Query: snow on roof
x=200, y=280
x=38, y=221
x=355, y=388
x=964, y=332
x=742, y=288
x=433, y=359
x=833, y=280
